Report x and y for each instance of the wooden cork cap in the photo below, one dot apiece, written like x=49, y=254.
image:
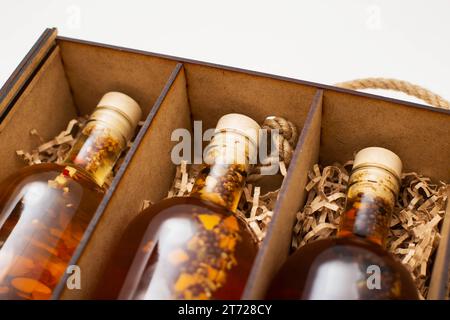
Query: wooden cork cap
x=119, y=111
x=380, y=157
x=235, y=122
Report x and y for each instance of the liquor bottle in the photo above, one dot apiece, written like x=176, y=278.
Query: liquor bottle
x=194, y=247
x=45, y=208
x=354, y=265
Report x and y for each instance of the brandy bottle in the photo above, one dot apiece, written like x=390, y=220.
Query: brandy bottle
x=194, y=247
x=354, y=265
x=45, y=208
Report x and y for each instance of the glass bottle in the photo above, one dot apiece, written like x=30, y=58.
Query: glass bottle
x=45, y=208
x=355, y=264
x=193, y=247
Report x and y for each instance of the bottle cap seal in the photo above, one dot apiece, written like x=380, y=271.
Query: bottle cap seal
x=380, y=157
x=235, y=140
x=120, y=111
x=239, y=123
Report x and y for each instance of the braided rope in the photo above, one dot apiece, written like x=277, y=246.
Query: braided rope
x=397, y=85
x=287, y=139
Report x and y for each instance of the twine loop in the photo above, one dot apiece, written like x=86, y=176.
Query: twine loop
x=287, y=139
x=409, y=88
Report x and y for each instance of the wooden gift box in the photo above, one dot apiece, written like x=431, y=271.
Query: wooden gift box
x=62, y=78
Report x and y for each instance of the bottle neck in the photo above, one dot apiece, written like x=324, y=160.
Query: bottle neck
x=221, y=184
x=228, y=161
x=96, y=151
x=371, y=197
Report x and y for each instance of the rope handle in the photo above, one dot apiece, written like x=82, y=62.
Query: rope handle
x=411, y=89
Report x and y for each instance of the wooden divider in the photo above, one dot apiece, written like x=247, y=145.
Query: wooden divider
x=275, y=247
x=439, y=283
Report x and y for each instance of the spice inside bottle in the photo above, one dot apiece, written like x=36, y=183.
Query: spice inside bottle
x=371, y=195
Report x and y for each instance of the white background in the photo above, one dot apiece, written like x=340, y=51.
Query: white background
x=322, y=41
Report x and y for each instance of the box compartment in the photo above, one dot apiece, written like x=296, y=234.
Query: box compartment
x=276, y=245
x=352, y=122
x=57, y=83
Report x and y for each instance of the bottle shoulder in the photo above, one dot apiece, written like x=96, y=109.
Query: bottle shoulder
x=347, y=253
x=188, y=201
x=45, y=185
x=47, y=172
x=186, y=206
x=190, y=213
x=338, y=248
x=36, y=169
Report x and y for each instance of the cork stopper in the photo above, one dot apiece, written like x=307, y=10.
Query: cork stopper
x=235, y=122
x=380, y=157
x=119, y=111
x=235, y=140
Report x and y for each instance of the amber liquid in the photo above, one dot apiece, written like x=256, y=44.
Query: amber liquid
x=186, y=248
x=41, y=226
x=354, y=266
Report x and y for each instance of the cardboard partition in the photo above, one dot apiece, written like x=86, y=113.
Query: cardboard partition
x=441, y=269
x=275, y=247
